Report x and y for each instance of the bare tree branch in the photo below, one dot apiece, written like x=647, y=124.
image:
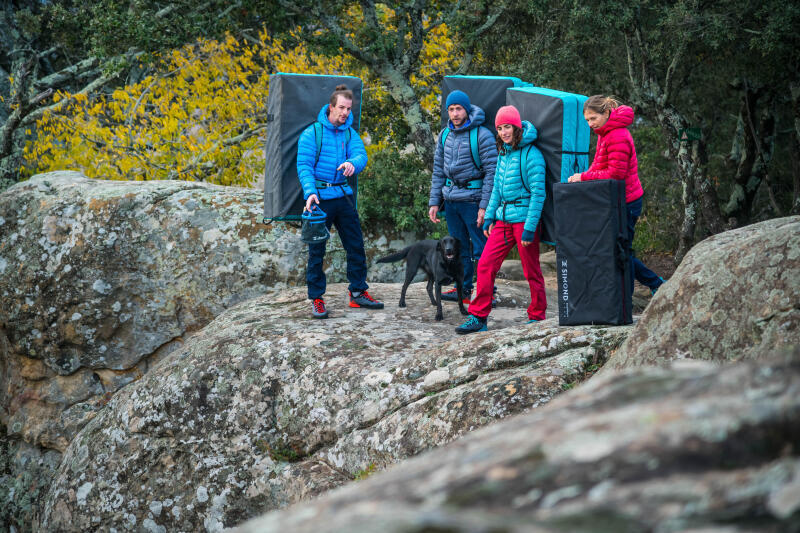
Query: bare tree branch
x=370, y=16
x=673, y=65
x=85, y=68
x=96, y=84
x=331, y=24
x=635, y=87
x=472, y=38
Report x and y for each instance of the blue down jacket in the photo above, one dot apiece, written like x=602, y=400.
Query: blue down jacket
x=454, y=161
x=510, y=202
x=335, y=151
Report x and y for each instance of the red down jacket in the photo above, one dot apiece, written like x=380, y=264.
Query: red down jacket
x=615, y=157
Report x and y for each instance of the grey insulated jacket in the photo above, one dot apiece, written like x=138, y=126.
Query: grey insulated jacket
x=454, y=161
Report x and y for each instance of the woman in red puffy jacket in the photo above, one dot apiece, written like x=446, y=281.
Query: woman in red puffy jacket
x=615, y=158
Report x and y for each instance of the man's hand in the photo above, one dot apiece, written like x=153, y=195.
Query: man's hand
x=574, y=178
x=311, y=200
x=432, y=212
x=481, y=215
x=347, y=168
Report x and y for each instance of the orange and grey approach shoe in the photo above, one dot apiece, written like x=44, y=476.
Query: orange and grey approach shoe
x=363, y=299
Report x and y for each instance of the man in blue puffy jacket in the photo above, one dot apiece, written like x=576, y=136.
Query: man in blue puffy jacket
x=323, y=175
x=463, y=173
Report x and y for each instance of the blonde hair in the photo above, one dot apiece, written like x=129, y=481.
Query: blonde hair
x=600, y=103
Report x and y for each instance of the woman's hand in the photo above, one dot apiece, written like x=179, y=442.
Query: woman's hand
x=488, y=226
x=574, y=178
x=527, y=237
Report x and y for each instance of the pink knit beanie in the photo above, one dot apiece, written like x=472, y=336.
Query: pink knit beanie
x=508, y=115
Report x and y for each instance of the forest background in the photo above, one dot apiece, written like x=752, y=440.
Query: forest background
x=147, y=90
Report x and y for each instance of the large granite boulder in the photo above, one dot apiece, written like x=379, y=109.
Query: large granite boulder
x=735, y=295
x=265, y=407
x=692, y=447
x=100, y=279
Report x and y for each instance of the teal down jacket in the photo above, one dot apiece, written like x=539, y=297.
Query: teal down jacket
x=335, y=151
x=527, y=206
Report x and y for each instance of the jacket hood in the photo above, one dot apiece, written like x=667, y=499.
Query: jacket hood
x=323, y=119
x=476, y=118
x=529, y=134
x=621, y=117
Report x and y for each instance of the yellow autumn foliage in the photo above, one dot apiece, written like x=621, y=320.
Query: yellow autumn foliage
x=201, y=116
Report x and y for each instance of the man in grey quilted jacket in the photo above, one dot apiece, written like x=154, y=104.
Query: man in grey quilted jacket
x=463, y=173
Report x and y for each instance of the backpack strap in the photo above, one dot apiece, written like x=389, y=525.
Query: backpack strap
x=473, y=145
x=443, y=136
x=523, y=167
x=318, y=139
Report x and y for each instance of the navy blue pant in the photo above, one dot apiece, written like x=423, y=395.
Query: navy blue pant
x=340, y=213
x=462, y=219
x=643, y=275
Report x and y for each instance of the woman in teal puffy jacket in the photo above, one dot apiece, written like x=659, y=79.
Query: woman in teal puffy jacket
x=512, y=218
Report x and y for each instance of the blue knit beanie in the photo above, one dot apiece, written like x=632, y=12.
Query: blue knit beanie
x=460, y=98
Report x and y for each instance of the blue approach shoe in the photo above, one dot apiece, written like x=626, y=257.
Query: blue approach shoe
x=653, y=291
x=318, y=308
x=532, y=320
x=472, y=325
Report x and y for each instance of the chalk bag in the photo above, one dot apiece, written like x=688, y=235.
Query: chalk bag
x=313, y=229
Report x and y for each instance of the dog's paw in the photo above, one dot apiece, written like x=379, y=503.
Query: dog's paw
x=438, y=318
x=401, y=304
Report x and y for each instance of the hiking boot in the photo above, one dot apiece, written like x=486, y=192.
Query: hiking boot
x=452, y=296
x=363, y=299
x=472, y=325
x=318, y=308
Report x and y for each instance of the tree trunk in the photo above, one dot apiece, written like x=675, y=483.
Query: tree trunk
x=743, y=157
x=402, y=93
x=752, y=151
x=10, y=136
x=689, y=224
x=795, y=91
x=690, y=163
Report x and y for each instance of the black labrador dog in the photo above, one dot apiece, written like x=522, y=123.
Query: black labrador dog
x=440, y=260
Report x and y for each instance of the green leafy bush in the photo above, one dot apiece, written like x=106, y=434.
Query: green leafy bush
x=659, y=226
x=393, y=193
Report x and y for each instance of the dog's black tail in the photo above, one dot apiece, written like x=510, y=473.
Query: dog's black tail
x=397, y=256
